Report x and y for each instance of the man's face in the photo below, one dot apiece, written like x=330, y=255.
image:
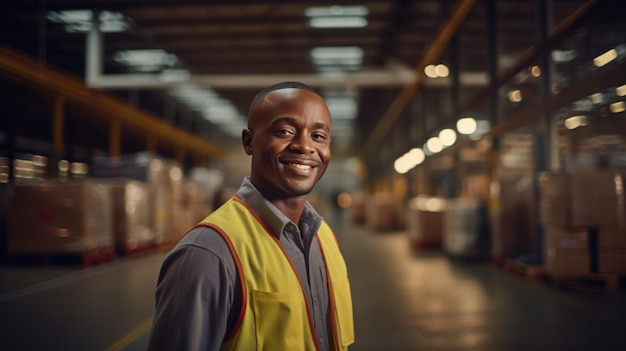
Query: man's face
x=289, y=140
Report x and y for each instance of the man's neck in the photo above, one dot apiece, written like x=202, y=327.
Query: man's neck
x=291, y=207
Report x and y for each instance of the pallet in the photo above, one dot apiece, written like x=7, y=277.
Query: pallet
x=84, y=259
x=534, y=272
x=593, y=282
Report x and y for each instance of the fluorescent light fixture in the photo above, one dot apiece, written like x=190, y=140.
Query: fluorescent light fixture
x=337, y=55
x=80, y=21
x=338, y=22
x=621, y=90
x=605, y=58
x=617, y=107
x=337, y=10
x=211, y=106
x=341, y=107
x=563, y=56
x=575, y=122
x=147, y=60
x=334, y=52
x=337, y=16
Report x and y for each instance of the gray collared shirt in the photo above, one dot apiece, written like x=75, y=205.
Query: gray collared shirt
x=198, y=295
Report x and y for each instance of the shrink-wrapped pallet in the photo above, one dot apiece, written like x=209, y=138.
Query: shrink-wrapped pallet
x=464, y=230
x=56, y=217
x=131, y=214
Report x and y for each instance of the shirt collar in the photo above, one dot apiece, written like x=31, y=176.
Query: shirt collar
x=272, y=216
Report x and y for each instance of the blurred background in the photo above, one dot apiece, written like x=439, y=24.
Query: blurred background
x=484, y=131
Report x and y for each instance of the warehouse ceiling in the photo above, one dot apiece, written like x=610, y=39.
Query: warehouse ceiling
x=198, y=63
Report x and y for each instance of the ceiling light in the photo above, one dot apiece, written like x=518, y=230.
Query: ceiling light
x=447, y=137
x=211, y=106
x=515, y=96
x=442, y=70
x=535, y=71
x=605, y=58
x=438, y=71
x=81, y=20
x=466, y=125
x=621, y=90
x=337, y=16
x=338, y=22
x=575, y=122
x=337, y=55
x=145, y=60
x=434, y=145
x=617, y=107
x=326, y=11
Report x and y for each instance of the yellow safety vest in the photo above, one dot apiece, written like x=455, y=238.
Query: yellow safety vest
x=275, y=315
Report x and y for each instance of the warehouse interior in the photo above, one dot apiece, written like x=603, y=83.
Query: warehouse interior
x=477, y=172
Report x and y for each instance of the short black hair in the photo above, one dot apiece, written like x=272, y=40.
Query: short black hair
x=258, y=98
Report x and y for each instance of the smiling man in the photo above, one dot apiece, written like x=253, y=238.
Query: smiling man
x=264, y=271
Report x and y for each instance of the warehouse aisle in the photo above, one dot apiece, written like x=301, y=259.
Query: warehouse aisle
x=402, y=301
x=105, y=307
x=406, y=300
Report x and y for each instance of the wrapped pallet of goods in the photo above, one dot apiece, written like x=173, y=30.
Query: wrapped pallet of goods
x=424, y=218
x=131, y=216
x=164, y=179
x=465, y=229
x=55, y=217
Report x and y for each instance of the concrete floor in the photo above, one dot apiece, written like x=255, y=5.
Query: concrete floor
x=403, y=300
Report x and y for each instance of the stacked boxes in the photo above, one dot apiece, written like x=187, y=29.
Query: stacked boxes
x=583, y=216
x=611, y=256
x=59, y=217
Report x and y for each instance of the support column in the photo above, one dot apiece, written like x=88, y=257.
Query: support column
x=58, y=123
x=115, y=138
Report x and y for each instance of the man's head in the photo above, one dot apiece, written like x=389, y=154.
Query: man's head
x=288, y=137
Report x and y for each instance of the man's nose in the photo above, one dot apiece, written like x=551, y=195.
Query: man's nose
x=302, y=143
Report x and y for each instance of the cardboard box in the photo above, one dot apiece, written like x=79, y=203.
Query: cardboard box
x=612, y=261
x=590, y=198
x=567, y=262
x=612, y=239
x=566, y=238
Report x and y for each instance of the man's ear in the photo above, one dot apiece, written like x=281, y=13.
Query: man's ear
x=246, y=139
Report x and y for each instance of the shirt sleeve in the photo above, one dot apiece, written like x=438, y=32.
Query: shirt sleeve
x=196, y=296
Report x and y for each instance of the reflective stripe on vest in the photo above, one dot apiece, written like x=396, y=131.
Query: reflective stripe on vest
x=275, y=313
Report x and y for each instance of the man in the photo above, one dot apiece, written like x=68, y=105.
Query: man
x=264, y=271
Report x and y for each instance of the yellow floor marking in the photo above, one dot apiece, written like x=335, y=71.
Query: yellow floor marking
x=134, y=334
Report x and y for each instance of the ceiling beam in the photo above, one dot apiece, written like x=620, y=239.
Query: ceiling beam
x=384, y=125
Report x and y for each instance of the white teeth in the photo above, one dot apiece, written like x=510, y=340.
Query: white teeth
x=297, y=165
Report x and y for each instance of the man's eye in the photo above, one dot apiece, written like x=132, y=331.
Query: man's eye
x=284, y=132
x=319, y=136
